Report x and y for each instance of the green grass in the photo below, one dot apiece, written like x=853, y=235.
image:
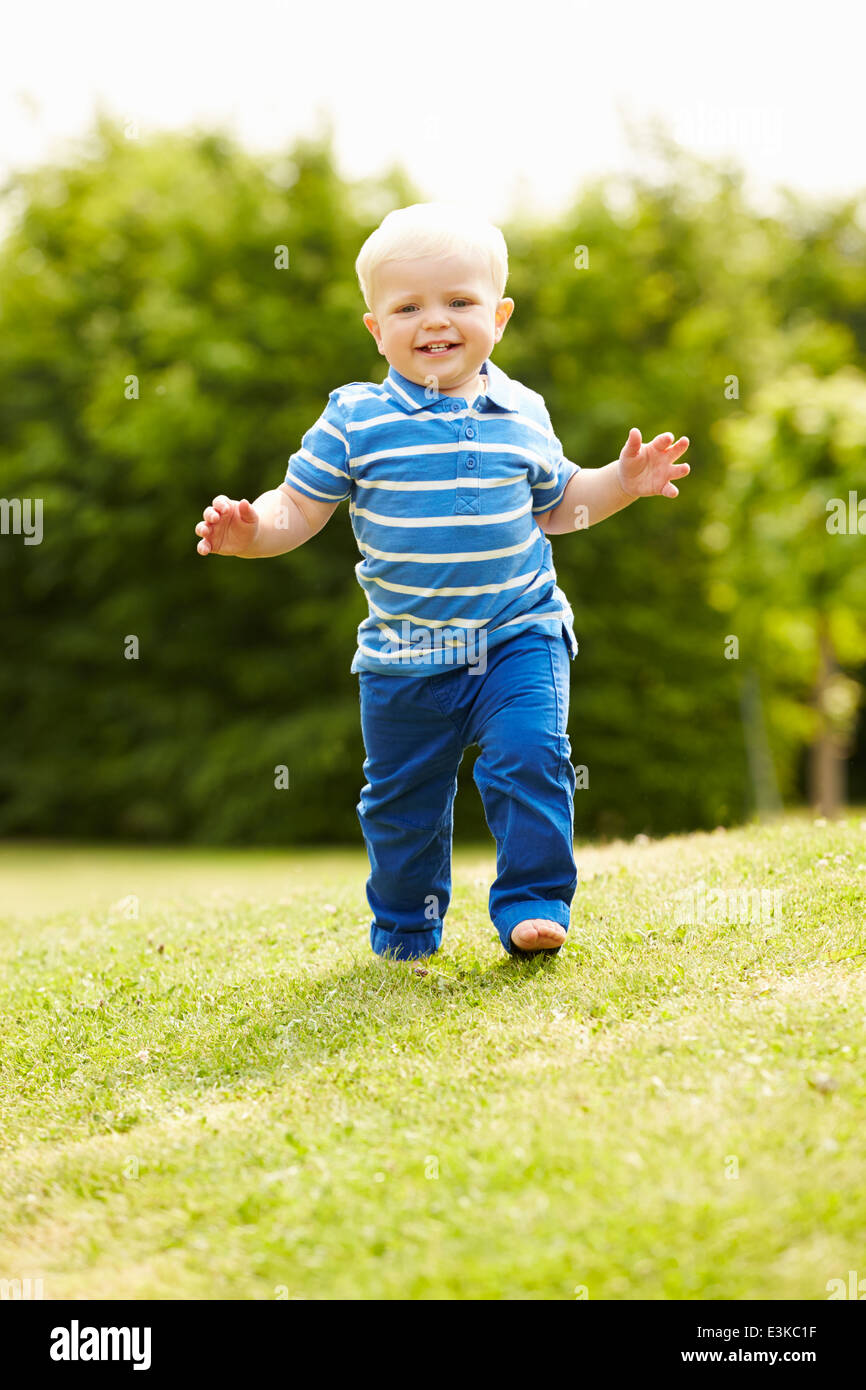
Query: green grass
x=229, y=1096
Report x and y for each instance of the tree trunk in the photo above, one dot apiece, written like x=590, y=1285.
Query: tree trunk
x=826, y=755
x=765, y=788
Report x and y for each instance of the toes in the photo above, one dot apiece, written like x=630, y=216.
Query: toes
x=525, y=934
x=537, y=934
x=551, y=931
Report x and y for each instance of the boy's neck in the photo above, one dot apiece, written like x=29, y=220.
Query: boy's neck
x=477, y=388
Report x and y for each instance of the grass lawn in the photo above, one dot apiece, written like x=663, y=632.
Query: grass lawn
x=210, y=1087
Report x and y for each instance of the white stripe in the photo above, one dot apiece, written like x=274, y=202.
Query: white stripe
x=473, y=446
x=442, y=485
x=392, y=385
x=347, y=397
x=370, y=652
x=547, y=504
x=397, y=416
x=426, y=622
x=448, y=557
x=410, y=645
x=338, y=434
x=528, y=617
x=388, y=419
x=447, y=592
x=392, y=661
x=306, y=487
x=320, y=463
x=418, y=521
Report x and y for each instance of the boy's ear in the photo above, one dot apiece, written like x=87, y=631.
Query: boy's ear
x=370, y=322
x=504, y=310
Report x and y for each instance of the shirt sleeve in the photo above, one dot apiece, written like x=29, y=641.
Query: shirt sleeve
x=550, y=473
x=320, y=467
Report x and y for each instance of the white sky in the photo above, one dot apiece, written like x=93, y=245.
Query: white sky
x=489, y=105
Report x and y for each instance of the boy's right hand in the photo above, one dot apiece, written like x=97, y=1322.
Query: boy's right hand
x=227, y=527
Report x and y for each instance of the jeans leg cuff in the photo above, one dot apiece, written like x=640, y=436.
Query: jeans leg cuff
x=408, y=945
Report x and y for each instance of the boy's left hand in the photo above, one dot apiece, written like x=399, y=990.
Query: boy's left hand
x=647, y=470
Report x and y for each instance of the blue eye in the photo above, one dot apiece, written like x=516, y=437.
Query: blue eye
x=410, y=307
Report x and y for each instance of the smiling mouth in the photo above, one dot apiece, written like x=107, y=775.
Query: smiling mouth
x=443, y=351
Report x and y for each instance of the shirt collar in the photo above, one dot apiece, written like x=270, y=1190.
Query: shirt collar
x=412, y=397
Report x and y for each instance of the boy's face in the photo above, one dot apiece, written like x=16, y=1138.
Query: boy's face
x=450, y=299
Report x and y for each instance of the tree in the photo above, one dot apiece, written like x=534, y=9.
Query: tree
x=790, y=539
x=173, y=314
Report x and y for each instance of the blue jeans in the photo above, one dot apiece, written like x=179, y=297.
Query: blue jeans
x=415, y=731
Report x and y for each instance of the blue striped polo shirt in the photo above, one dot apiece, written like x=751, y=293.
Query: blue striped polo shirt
x=442, y=493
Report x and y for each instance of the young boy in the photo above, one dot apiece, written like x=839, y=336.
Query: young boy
x=455, y=479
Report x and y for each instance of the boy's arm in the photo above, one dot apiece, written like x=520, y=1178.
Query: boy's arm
x=317, y=479
x=590, y=496
x=286, y=519
x=278, y=521
x=642, y=470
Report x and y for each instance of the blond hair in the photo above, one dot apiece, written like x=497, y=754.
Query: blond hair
x=431, y=229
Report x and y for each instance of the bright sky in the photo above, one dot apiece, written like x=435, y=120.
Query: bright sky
x=491, y=105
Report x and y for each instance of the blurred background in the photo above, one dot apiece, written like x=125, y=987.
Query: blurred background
x=687, y=242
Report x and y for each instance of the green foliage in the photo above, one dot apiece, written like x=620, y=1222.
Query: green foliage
x=155, y=260
x=791, y=553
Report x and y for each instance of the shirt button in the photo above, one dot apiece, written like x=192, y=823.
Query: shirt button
x=470, y=433
x=470, y=463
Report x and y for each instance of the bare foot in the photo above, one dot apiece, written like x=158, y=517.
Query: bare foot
x=537, y=934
